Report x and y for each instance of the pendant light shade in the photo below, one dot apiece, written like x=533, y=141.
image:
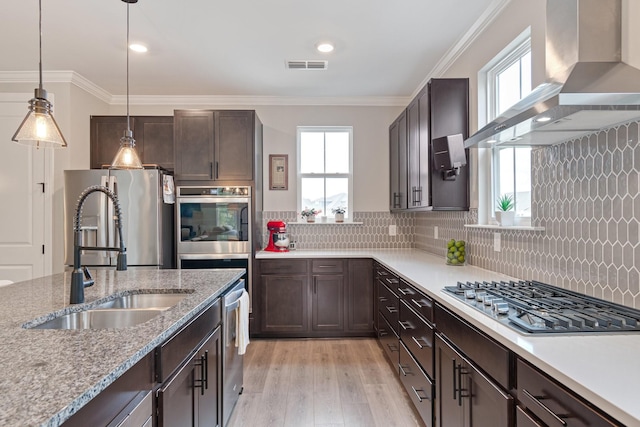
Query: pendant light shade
x=127, y=156
x=39, y=128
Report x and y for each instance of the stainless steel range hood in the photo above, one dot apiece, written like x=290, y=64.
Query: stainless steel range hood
x=587, y=86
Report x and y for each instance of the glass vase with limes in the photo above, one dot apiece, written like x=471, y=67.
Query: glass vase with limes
x=456, y=252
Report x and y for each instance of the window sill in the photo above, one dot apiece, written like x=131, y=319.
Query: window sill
x=499, y=227
x=327, y=222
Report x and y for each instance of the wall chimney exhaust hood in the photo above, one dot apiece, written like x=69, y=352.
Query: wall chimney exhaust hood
x=587, y=87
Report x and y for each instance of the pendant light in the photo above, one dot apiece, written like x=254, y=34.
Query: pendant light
x=39, y=128
x=127, y=157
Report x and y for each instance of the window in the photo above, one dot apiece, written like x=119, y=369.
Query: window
x=508, y=80
x=325, y=169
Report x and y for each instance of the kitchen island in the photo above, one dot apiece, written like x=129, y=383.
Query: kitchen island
x=47, y=375
x=601, y=368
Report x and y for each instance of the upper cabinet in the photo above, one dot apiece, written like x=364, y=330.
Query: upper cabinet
x=153, y=136
x=440, y=109
x=215, y=145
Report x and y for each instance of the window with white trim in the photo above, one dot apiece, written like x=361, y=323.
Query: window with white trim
x=325, y=172
x=508, y=80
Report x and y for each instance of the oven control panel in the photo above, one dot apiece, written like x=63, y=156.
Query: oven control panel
x=214, y=191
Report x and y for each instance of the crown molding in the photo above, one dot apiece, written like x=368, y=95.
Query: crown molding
x=211, y=100
x=63, y=76
x=452, y=55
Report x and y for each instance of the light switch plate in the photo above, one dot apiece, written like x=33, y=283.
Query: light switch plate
x=496, y=242
x=392, y=230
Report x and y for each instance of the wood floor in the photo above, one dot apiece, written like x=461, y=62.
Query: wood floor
x=341, y=382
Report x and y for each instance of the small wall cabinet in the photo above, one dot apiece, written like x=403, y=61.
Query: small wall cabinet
x=153, y=136
x=214, y=145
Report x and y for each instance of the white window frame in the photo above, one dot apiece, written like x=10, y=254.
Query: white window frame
x=487, y=111
x=349, y=176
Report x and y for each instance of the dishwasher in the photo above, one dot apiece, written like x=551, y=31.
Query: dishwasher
x=232, y=362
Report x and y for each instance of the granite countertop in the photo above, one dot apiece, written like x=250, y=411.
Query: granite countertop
x=602, y=368
x=47, y=375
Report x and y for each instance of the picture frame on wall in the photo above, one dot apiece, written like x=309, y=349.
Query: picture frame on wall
x=278, y=172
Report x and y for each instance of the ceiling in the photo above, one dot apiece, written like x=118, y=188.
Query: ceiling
x=239, y=48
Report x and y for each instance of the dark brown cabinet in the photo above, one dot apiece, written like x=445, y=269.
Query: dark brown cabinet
x=440, y=109
x=314, y=298
x=466, y=396
x=214, y=145
x=153, y=136
x=398, y=163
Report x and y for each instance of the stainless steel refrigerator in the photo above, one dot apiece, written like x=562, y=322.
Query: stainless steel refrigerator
x=147, y=222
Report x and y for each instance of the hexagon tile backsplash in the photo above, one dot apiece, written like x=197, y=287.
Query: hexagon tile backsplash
x=585, y=193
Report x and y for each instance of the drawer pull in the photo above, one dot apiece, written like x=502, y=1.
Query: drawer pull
x=382, y=273
x=458, y=391
x=391, y=280
x=405, y=370
x=425, y=342
x=537, y=400
x=406, y=325
x=391, y=309
x=406, y=291
x=382, y=299
x=325, y=266
x=422, y=303
x=417, y=393
x=392, y=347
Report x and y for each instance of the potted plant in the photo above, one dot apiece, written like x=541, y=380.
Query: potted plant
x=504, y=213
x=339, y=213
x=310, y=214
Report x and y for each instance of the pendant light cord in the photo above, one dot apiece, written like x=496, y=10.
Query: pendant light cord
x=40, y=45
x=128, y=125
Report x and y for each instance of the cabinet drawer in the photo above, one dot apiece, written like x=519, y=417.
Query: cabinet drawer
x=552, y=403
x=389, y=342
x=281, y=266
x=524, y=419
x=415, y=299
x=177, y=348
x=327, y=266
x=417, y=336
x=388, y=305
x=490, y=356
x=418, y=385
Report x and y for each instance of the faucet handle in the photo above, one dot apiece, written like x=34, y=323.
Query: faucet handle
x=87, y=275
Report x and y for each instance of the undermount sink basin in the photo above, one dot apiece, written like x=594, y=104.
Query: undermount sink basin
x=100, y=319
x=159, y=301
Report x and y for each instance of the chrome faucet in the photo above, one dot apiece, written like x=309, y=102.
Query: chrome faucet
x=80, y=273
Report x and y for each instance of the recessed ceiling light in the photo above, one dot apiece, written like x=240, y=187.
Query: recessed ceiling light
x=491, y=141
x=543, y=119
x=138, y=48
x=324, y=47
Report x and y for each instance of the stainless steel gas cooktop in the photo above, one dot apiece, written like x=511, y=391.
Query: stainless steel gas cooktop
x=535, y=307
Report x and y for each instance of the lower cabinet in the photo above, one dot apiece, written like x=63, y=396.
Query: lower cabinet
x=418, y=385
x=466, y=396
x=192, y=396
x=314, y=298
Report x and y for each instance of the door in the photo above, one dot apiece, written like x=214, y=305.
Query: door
x=94, y=226
x=360, y=296
x=140, y=198
x=176, y=397
x=449, y=410
x=284, y=306
x=328, y=302
x=208, y=381
x=398, y=163
x=193, y=145
x=234, y=146
x=26, y=215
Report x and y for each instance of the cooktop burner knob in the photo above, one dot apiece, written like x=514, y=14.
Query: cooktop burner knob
x=470, y=294
x=501, y=308
x=480, y=296
x=488, y=299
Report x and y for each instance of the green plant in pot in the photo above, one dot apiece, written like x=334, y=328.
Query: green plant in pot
x=339, y=213
x=504, y=213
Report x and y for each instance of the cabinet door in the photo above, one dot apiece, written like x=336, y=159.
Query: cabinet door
x=234, y=146
x=360, y=307
x=398, y=163
x=284, y=306
x=208, y=381
x=328, y=302
x=449, y=410
x=106, y=132
x=193, y=141
x=156, y=133
x=176, y=398
x=487, y=404
x=418, y=152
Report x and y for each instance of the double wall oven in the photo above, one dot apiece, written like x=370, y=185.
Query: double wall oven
x=214, y=228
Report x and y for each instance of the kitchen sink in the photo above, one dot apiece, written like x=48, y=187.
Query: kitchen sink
x=160, y=301
x=101, y=319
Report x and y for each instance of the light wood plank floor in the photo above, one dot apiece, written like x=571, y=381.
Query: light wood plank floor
x=323, y=382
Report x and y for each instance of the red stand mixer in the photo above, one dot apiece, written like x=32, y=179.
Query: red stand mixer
x=278, y=237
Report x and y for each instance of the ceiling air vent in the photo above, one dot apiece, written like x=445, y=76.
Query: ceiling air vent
x=307, y=65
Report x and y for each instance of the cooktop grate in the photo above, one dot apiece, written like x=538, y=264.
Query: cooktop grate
x=537, y=307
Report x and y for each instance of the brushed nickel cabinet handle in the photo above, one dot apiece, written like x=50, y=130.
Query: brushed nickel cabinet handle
x=420, y=398
x=537, y=400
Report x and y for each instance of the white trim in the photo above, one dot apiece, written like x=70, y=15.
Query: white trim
x=209, y=100
x=500, y=227
x=452, y=55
